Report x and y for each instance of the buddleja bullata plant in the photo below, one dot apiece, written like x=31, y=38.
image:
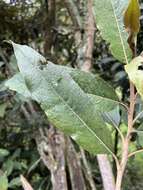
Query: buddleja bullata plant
x=81, y=104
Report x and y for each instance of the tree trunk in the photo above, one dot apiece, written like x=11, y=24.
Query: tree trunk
x=74, y=165
x=50, y=19
x=106, y=172
x=51, y=147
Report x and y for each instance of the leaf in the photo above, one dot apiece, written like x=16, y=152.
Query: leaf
x=1, y=63
x=18, y=85
x=92, y=84
x=113, y=117
x=3, y=182
x=8, y=167
x=109, y=19
x=135, y=73
x=131, y=17
x=89, y=83
x=62, y=119
x=3, y=152
x=132, y=23
x=13, y=64
x=25, y=183
x=139, y=135
x=140, y=138
x=14, y=183
x=69, y=105
x=3, y=109
x=20, y=165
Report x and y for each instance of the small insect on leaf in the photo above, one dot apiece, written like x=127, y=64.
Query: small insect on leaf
x=131, y=17
x=135, y=73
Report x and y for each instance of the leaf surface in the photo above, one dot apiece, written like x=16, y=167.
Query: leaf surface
x=131, y=17
x=2, y=109
x=139, y=133
x=74, y=108
x=3, y=152
x=135, y=73
x=3, y=182
x=15, y=183
x=109, y=19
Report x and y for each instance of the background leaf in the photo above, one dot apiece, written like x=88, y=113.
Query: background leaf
x=139, y=138
x=14, y=183
x=135, y=73
x=131, y=17
x=3, y=109
x=3, y=182
x=110, y=23
x=3, y=152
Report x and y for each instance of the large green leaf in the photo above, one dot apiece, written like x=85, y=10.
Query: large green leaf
x=139, y=133
x=109, y=19
x=74, y=108
x=93, y=84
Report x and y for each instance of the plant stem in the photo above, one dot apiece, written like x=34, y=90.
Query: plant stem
x=135, y=152
x=125, y=149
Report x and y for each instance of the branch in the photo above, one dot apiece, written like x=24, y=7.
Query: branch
x=90, y=38
x=88, y=170
x=25, y=184
x=50, y=18
x=74, y=166
x=34, y=165
x=135, y=152
x=51, y=147
x=124, y=105
x=74, y=13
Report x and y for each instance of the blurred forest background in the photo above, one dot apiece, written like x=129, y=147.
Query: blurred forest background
x=29, y=145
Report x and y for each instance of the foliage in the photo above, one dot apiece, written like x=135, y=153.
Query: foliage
x=67, y=106
x=131, y=17
x=110, y=23
x=134, y=70
x=17, y=135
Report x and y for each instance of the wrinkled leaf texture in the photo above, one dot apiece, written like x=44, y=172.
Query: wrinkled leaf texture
x=74, y=101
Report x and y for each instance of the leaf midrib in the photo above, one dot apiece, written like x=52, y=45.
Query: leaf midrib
x=81, y=119
x=120, y=35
